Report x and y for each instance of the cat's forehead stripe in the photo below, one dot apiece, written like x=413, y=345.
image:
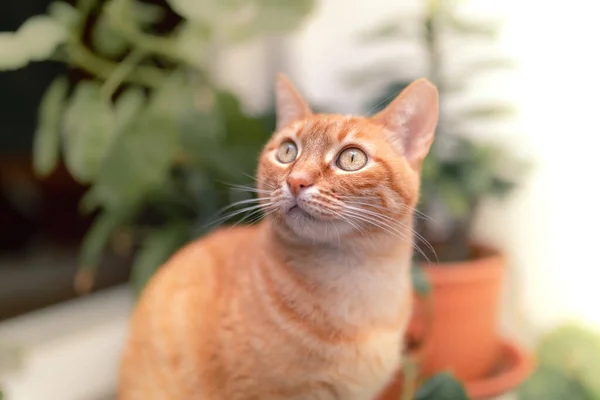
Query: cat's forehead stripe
x=346, y=129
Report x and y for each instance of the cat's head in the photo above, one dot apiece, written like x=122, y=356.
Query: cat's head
x=323, y=177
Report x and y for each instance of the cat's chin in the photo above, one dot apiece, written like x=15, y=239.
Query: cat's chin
x=308, y=226
x=297, y=213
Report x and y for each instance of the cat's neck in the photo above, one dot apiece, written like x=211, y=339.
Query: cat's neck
x=348, y=250
x=356, y=281
x=380, y=253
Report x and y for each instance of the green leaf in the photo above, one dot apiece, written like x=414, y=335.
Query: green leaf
x=138, y=161
x=245, y=135
x=106, y=40
x=40, y=35
x=429, y=168
x=280, y=17
x=155, y=250
x=192, y=41
x=90, y=201
x=106, y=32
x=97, y=237
x=267, y=17
x=464, y=26
x=575, y=351
x=128, y=106
x=454, y=198
x=224, y=140
x=198, y=11
x=66, y=14
x=475, y=177
x=485, y=66
x=89, y=130
x=442, y=386
x=436, y=7
x=85, y=6
x=397, y=28
x=501, y=187
x=201, y=129
x=12, y=55
x=420, y=282
x=549, y=383
x=46, y=144
x=235, y=20
x=174, y=97
x=483, y=111
x=241, y=129
x=147, y=14
x=35, y=40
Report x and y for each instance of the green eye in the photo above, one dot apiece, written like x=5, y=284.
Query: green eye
x=287, y=152
x=352, y=159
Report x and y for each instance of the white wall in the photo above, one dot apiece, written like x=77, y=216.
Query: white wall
x=550, y=227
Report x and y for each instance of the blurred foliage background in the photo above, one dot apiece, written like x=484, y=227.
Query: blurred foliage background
x=158, y=144
x=161, y=146
x=568, y=365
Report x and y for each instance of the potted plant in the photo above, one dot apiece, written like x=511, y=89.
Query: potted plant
x=140, y=120
x=458, y=279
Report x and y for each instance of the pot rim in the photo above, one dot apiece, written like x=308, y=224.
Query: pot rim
x=521, y=367
x=490, y=265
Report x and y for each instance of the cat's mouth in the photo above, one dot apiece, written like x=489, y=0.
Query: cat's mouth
x=297, y=211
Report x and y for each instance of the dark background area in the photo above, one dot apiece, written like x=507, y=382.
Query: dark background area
x=41, y=227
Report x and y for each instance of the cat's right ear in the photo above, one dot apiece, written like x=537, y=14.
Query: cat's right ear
x=289, y=104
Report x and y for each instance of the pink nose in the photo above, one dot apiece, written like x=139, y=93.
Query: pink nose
x=297, y=183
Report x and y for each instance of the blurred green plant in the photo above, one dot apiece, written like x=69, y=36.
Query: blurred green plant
x=148, y=129
x=441, y=386
x=568, y=364
x=459, y=173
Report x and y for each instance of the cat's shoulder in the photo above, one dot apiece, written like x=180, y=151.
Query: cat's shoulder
x=196, y=258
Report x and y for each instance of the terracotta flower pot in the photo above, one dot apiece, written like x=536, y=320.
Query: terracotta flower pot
x=463, y=336
x=456, y=329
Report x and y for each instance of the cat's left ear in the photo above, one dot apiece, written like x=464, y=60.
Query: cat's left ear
x=410, y=120
x=290, y=105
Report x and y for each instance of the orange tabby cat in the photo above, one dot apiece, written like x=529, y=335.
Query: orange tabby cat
x=312, y=302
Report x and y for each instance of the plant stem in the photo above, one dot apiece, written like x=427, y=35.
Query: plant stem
x=120, y=73
x=410, y=378
x=165, y=47
x=78, y=54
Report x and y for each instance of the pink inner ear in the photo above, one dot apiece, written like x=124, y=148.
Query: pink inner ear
x=289, y=103
x=410, y=120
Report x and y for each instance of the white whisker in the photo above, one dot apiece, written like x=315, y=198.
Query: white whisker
x=238, y=212
x=383, y=222
x=391, y=220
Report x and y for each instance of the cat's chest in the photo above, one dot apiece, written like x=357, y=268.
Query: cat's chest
x=361, y=296
x=371, y=366
x=378, y=305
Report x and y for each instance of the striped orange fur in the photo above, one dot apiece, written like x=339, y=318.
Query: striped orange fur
x=313, y=301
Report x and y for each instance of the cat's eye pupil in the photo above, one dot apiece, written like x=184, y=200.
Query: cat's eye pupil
x=352, y=159
x=287, y=152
